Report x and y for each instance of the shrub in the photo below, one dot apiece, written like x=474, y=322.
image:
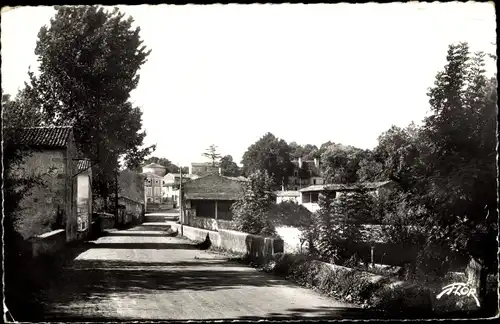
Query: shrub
x=407, y=300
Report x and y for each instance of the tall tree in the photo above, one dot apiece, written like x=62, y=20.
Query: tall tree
x=340, y=163
x=271, y=154
x=251, y=212
x=211, y=153
x=89, y=62
x=229, y=168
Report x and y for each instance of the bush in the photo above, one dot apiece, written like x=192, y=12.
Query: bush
x=404, y=300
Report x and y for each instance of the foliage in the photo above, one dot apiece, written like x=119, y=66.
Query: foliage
x=289, y=213
x=211, y=153
x=271, y=154
x=340, y=163
x=306, y=152
x=89, y=60
x=229, y=168
x=251, y=211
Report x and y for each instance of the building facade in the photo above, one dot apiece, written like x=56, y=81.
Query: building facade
x=53, y=157
x=203, y=169
x=209, y=199
x=309, y=196
x=305, y=173
x=170, y=189
x=84, y=195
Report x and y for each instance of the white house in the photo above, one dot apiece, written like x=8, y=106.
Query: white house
x=170, y=188
x=309, y=196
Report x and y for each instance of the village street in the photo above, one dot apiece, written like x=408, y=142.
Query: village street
x=141, y=273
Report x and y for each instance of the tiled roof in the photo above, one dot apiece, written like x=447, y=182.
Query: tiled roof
x=154, y=165
x=287, y=193
x=341, y=187
x=83, y=165
x=212, y=195
x=240, y=178
x=47, y=136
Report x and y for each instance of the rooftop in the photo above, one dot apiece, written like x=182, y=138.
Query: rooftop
x=83, y=165
x=342, y=187
x=46, y=136
x=287, y=193
x=154, y=165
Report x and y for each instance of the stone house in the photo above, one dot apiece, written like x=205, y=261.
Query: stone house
x=309, y=196
x=53, y=205
x=208, y=199
x=305, y=173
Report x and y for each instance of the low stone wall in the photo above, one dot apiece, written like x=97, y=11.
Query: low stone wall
x=211, y=224
x=49, y=243
x=253, y=245
x=106, y=220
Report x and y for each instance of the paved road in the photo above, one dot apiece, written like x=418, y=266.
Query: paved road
x=142, y=274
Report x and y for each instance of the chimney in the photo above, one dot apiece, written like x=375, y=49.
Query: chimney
x=300, y=162
x=316, y=162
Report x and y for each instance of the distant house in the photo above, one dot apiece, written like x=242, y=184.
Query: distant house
x=84, y=195
x=211, y=197
x=153, y=188
x=305, y=173
x=202, y=169
x=54, y=157
x=309, y=196
x=170, y=189
x=282, y=196
x=155, y=168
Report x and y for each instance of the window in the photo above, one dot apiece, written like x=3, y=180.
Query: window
x=82, y=223
x=150, y=199
x=314, y=197
x=314, y=181
x=157, y=191
x=224, y=210
x=149, y=191
x=295, y=173
x=157, y=181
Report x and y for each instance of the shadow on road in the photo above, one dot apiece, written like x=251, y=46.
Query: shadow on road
x=152, y=246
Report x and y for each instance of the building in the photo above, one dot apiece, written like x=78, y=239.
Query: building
x=54, y=158
x=153, y=188
x=305, y=173
x=211, y=197
x=282, y=196
x=171, y=182
x=309, y=196
x=131, y=197
x=202, y=169
x=84, y=195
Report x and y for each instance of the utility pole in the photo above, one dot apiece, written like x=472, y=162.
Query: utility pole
x=116, y=195
x=181, y=217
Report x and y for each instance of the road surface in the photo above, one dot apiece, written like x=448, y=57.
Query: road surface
x=143, y=274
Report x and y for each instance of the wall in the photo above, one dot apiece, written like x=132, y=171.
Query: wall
x=48, y=243
x=210, y=223
x=42, y=204
x=257, y=247
x=133, y=212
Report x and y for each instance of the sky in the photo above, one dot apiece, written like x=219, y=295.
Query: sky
x=228, y=74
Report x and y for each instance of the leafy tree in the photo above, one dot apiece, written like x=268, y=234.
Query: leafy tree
x=89, y=62
x=251, y=212
x=212, y=154
x=340, y=163
x=271, y=154
x=229, y=168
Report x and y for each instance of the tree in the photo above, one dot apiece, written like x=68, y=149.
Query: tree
x=271, y=154
x=212, y=154
x=229, y=168
x=251, y=212
x=89, y=62
x=340, y=163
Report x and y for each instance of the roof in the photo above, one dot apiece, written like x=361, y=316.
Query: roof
x=83, y=164
x=212, y=196
x=342, y=187
x=154, y=165
x=46, y=136
x=240, y=178
x=153, y=175
x=287, y=193
x=204, y=164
